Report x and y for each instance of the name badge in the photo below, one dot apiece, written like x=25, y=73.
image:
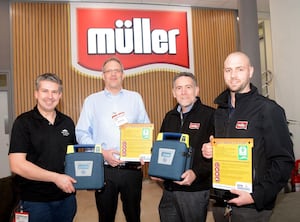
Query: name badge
x=119, y=118
x=21, y=216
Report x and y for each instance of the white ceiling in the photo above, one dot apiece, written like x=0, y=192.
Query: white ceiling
x=262, y=5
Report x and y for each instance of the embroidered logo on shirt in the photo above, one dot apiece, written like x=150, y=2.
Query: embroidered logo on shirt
x=241, y=125
x=65, y=132
x=194, y=125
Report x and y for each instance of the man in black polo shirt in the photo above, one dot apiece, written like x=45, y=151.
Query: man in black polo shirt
x=37, y=152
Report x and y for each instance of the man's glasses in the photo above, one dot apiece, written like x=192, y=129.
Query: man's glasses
x=114, y=71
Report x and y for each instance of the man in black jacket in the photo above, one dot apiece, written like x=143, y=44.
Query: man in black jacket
x=187, y=200
x=265, y=122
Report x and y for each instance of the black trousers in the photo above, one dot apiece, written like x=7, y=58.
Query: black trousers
x=127, y=182
x=181, y=206
x=241, y=214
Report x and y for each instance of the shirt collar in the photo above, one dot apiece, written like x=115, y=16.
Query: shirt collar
x=108, y=93
x=231, y=108
x=188, y=108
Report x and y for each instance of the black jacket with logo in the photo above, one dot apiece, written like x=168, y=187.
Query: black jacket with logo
x=258, y=117
x=198, y=124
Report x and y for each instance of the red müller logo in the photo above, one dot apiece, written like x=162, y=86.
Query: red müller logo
x=149, y=39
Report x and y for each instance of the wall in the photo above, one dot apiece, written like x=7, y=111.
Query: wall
x=4, y=37
x=285, y=17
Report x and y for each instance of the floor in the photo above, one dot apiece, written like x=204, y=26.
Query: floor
x=151, y=194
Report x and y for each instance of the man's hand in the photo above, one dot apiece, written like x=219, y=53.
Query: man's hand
x=65, y=183
x=188, y=178
x=111, y=157
x=142, y=162
x=207, y=149
x=243, y=198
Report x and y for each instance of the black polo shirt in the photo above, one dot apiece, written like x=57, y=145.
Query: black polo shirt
x=45, y=145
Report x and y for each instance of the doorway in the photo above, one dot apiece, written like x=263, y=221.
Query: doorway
x=264, y=30
x=4, y=126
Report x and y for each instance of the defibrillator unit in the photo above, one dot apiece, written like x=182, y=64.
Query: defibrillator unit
x=85, y=163
x=171, y=156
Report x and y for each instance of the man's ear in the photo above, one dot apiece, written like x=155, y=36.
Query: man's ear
x=197, y=90
x=173, y=92
x=35, y=94
x=251, y=71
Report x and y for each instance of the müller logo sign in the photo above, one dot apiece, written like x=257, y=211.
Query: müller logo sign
x=155, y=38
x=132, y=37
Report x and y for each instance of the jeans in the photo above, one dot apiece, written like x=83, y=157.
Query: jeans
x=181, y=206
x=54, y=211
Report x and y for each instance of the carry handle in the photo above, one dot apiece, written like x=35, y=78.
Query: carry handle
x=181, y=137
x=85, y=146
x=74, y=148
x=171, y=136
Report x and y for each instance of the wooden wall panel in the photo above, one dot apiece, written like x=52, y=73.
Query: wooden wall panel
x=214, y=36
x=41, y=43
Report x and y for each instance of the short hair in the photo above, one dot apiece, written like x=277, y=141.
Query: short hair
x=113, y=59
x=187, y=74
x=48, y=77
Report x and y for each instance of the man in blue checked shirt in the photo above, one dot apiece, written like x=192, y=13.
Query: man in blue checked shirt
x=99, y=123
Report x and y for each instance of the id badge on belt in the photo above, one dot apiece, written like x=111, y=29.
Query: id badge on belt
x=21, y=216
